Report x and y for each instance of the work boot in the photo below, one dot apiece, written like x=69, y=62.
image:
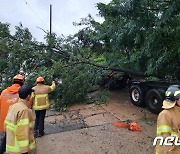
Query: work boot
x=41, y=134
x=36, y=134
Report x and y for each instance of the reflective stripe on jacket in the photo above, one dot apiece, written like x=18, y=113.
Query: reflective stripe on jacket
x=40, y=96
x=168, y=124
x=19, y=128
x=165, y=129
x=8, y=97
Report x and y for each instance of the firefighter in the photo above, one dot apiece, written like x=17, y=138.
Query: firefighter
x=168, y=122
x=8, y=97
x=40, y=104
x=19, y=124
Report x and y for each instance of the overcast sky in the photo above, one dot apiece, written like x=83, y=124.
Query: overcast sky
x=35, y=13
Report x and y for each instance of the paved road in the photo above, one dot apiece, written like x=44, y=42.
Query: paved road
x=89, y=129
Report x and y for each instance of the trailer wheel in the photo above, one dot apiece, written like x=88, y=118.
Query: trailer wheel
x=137, y=95
x=154, y=100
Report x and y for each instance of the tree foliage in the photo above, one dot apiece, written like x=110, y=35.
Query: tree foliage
x=57, y=58
x=148, y=30
x=136, y=35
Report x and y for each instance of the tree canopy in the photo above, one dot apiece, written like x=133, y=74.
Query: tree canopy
x=135, y=36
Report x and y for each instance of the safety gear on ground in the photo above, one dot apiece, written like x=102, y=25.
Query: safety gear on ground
x=172, y=94
x=131, y=126
x=134, y=126
x=40, y=96
x=40, y=79
x=8, y=97
x=18, y=77
x=168, y=125
x=24, y=91
x=19, y=128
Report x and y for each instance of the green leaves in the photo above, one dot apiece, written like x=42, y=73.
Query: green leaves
x=138, y=35
x=151, y=28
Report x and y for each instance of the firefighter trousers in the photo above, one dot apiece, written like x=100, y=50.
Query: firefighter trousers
x=39, y=122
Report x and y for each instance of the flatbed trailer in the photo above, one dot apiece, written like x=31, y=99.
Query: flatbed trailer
x=142, y=92
x=149, y=93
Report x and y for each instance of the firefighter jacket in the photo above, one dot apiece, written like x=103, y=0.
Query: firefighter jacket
x=8, y=97
x=40, y=96
x=19, y=125
x=168, y=124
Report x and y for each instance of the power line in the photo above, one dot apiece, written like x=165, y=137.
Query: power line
x=35, y=13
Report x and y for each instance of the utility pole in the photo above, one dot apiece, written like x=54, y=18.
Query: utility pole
x=50, y=30
x=50, y=19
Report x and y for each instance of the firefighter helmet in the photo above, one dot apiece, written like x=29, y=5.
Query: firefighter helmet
x=40, y=79
x=173, y=93
x=19, y=77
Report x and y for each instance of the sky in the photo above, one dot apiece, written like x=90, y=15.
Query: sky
x=35, y=13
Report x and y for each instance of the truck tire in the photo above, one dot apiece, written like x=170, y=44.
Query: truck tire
x=154, y=100
x=137, y=95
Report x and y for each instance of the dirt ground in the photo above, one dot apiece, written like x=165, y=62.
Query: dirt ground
x=89, y=129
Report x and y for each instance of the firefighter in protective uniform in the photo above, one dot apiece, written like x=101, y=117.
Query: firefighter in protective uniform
x=168, y=122
x=19, y=125
x=8, y=97
x=40, y=104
